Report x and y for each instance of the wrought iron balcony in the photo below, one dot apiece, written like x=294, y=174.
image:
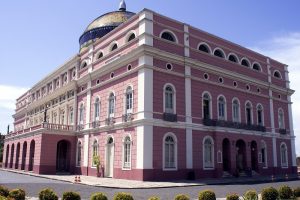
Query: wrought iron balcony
x=95, y=124
x=109, y=121
x=62, y=127
x=80, y=127
x=170, y=117
x=229, y=124
x=127, y=117
x=282, y=131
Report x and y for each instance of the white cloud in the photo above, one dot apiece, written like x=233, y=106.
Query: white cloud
x=286, y=49
x=8, y=96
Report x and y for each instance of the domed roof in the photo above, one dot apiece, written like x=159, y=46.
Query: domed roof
x=104, y=24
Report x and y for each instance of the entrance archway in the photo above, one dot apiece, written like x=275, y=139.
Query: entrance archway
x=12, y=152
x=109, y=157
x=63, y=156
x=31, y=155
x=24, y=154
x=17, y=156
x=226, y=154
x=6, y=157
x=241, y=155
x=254, y=161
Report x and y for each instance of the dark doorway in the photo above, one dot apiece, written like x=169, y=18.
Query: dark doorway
x=12, y=152
x=17, y=156
x=226, y=154
x=24, y=154
x=254, y=161
x=241, y=155
x=31, y=155
x=62, y=156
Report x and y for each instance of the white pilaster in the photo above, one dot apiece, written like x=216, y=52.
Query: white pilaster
x=144, y=147
x=189, y=148
x=186, y=41
x=146, y=28
x=145, y=88
x=86, y=151
x=291, y=126
x=88, y=105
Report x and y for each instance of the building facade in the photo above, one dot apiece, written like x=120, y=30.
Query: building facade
x=156, y=99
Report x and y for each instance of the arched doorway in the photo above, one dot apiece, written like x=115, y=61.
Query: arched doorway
x=63, y=156
x=12, y=152
x=241, y=155
x=31, y=155
x=6, y=157
x=226, y=154
x=17, y=156
x=24, y=154
x=109, y=157
x=254, y=161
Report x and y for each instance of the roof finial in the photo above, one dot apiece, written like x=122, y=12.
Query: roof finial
x=122, y=6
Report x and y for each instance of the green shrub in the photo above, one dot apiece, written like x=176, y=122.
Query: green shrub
x=269, y=194
x=17, y=194
x=98, y=196
x=4, y=191
x=3, y=198
x=182, y=197
x=207, y=195
x=297, y=192
x=154, y=198
x=251, y=195
x=71, y=196
x=123, y=196
x=232, y=197
x=285, y=192
x=47, y=194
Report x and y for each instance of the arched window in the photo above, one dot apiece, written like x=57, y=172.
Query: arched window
x=95, y=151
x=78, y=159
x=248, y=113
x=260, y=115
x=131, y=37
x=219, y=53
x=264, y=154
x=100, y=55
x=233, y=58
x=168, y=36
x=127, y=152
x=235, y=111
x=208, y=153
x=71, y=117
x=206, y=104
x=204, y=48
x=221, y=108
x=129, y=100
x=277, y=74
x=256, y=67
x=83, y=65
x=81, y=113
x=245, y=62
x=170, y=152
x=169, y=99
x=283, y=155
x=114, y=47
x=111, y=105
x=280, y=118
x=97, y=108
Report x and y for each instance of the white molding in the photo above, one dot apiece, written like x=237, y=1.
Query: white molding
x=210, y=105
x=207, y=45
x=175, y=152
x=123, y=152
x=233, y=54
x=213, y=153
x=189, y=148
x=144, y=147
x=174, y=97
x=85, y=150
x=218, y=48
x=188, y=94
x=170, y=32
x=262, y=113
x=251, y=111
x=225, y=107
x=146, y=28
x=264, y=145
x=88, y=105
x=286, y=155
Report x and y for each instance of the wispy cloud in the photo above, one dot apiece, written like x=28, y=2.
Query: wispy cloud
x=8, y=96
x=286, y=49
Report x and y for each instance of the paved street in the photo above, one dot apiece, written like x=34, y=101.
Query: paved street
x=34, y=184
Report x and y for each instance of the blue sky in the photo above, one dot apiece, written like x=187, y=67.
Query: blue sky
x=37, y=36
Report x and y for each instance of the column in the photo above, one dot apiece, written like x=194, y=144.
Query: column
x=146, y=28
x=88, y=105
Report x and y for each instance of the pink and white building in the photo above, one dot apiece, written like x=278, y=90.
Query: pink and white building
x=156, y=99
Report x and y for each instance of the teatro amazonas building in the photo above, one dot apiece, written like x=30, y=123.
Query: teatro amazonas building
x=156, y=99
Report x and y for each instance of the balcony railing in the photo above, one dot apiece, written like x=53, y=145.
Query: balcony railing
x=95, y=124
x=62, y=127
x=237, y=125
x=127, y=117
x=109, y=121
x=170, y=117
x=282, y=131
x=80, y=127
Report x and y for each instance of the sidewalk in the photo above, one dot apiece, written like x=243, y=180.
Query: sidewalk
x=132, y=184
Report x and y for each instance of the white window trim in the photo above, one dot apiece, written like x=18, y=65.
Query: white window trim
x=112, y=45
x=79, y=141
x=174, y=97
x=283, y=122
x=264, y=145
x=129, y=34
x=239, y=110
x=106, y=152
x=81, y=122
x=123, y=153
x=262, y=114
x=110, y=115
x=251, y=112
x=248, y=61
x=260, y=68
x=213, y=153
x=175, y=152
x=204, y=43
x=171, y=32
x=280, y=78
x=236, y=57
x=97, y=118
x=225, y=107
x=129, y=111
x=97, y=55
x=92, y=160
x=220, y=155
x=218, y=48
x=284, y=165
x=210, y=105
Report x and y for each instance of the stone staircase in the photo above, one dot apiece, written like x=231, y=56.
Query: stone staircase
x=226, y=174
